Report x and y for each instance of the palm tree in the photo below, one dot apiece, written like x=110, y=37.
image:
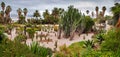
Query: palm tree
x=25, y=11
x=2, y=16
x=7, y=12
x=2, y=12
x=3, y=6
x=46, y=14
x=97, y=9
x=61, y=10
x=103, y=10
x=36, y=14
x=87, y=11
x=92, y=14
x=19, y=11
x=22, y=19
x=55, y=12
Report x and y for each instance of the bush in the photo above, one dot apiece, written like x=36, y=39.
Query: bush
x=112, y=43
x=2, y=28
x=20, y=38
x=14, y=49
x=2, y=35
x=31, y=32
x=40, y=51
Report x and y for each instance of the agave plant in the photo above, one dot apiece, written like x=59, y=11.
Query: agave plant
x=100, y=37
x=89, y=44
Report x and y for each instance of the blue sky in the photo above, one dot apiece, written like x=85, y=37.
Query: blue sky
x=41, y=5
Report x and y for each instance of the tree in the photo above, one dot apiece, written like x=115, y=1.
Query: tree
x=21, y=19
x=116, y=12
x=2, y=16
x=92, y=14
x=3, y=6
x=103, y=10
x=96, y=9
x=46, y=14
x=36, y=14
x=87, y=11
x=7, y=12
x=86, y=24
x=19, y=11
x=55, y=13
x=25, y=11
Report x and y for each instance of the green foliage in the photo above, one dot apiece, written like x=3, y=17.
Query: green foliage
x=89, y=44
x=36, y=14
x=77, y=47
x=10, y=27
x=111, y=43
x=2, y=35
x=70, y=20
x=14, y=49
x=116, y=12
x=2, y=28
x=20, y=38
x=100, y=37
x=21, y=19
x=40, y=51
x=64, y=52
x=87, y=23
x=31, y=32
x=34, y=21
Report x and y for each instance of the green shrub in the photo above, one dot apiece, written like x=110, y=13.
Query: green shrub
x=31, y=32
x=112, y=42
x=20, y=38
x=40, y=51
x=2, y=35
x=9, y=48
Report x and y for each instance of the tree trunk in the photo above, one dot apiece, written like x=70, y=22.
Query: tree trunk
x=59, y=33
x=72, y=35
x=25, y=30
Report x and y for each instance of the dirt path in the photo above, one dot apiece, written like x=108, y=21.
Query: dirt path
x=52, y=36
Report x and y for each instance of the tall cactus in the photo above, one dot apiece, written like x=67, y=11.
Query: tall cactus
x=70, y=21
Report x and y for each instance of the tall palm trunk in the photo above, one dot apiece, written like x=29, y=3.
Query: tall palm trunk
x=97, y=14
